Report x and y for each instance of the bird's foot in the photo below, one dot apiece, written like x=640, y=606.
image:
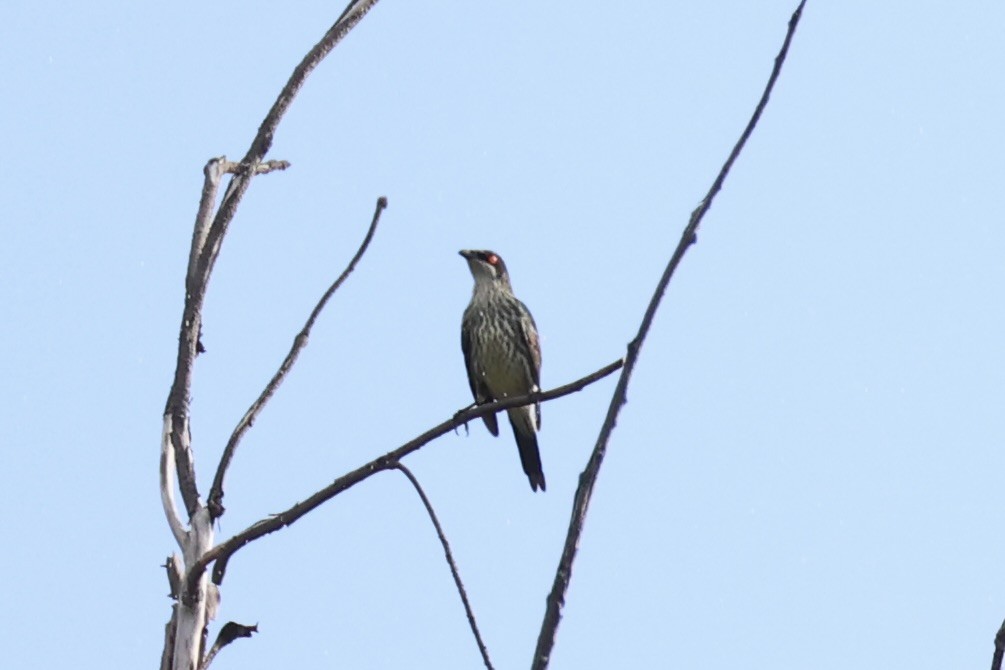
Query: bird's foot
x=457, y=418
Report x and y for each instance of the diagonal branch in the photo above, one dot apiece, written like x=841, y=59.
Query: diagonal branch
x=563, y=575
x=216, y=508
x=996, y=659
x=222, y=552
x=208, y=237
x=450, y=562
x=260, y=146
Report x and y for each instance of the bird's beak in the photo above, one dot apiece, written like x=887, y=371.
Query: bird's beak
x=467, y=253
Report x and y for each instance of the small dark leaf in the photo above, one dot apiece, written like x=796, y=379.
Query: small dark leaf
x=231, y=631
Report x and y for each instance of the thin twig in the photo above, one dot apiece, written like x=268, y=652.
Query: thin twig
x=215, y=504
x=584, y=492
x=221, y=553
x=262, y=168
x=450, y=561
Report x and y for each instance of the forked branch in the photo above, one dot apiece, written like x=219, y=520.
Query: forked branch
x=207, y=239
x=221, y=553
x=196, y=603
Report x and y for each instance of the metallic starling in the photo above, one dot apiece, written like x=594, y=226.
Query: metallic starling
x=502, y=354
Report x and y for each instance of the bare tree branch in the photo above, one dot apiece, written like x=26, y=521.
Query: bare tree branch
x=222, y=552
x=176, y=435
x=231, y=631
x=215, y=503
x=353, y=13
x=198, y=600
x=167, y=471
x=262, y=168
x=175, y=583
x=584, y=492
x=208, y=237
x=996, y=660
x=212, y=174
x=167, y=653
x=450, y=562
x=174, y=575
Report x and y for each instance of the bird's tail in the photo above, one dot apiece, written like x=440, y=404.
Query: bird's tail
x=525, y=432
x=491, y=424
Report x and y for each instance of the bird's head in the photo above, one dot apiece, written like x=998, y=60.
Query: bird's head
x=487, y=267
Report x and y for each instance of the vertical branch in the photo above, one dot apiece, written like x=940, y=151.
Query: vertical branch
x=167, y=653
x=167, y=469
x=195, y=607
x=176, y=435
x=587, y=480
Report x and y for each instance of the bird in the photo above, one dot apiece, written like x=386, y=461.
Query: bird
x=502, y=354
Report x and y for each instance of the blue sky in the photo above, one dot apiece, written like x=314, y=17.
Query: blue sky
x=808, y=471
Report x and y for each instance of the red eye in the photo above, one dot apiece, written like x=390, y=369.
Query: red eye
x=493, y=259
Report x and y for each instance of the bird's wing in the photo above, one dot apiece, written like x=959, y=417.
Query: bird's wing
x=479, y=390
x=532, y=344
